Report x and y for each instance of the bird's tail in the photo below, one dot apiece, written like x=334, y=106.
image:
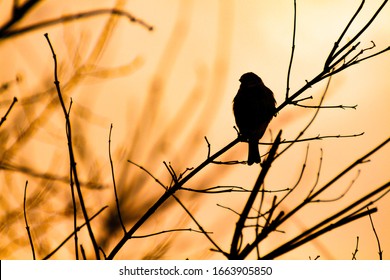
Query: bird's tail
x=253, y=152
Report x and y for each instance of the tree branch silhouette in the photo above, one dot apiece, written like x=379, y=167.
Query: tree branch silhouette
x=25, y=220
x=6, y=32
x=74, y=174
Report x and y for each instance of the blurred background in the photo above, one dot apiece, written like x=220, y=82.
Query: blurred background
x=164, y=90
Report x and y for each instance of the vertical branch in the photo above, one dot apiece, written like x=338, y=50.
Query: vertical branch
x=252, y=197
x=25, y=220
x=76, y=245
x=292, y=50
x=376, y=236
x=71, y=153
x=356, y=248
x=114, y=183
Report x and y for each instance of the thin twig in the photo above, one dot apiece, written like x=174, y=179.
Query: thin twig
x=229, y=189
x=166, y=231
x=171, y=172
x=318, y=174
x=343, y=194
x=295, y=103
x=182, y=205
x=318, y=137
x=356, y=248
x=148, y=172
x=3, y=119
x=298, y=181
x=380, y=252
x=25, y=220
x=292, y=50
x=205, y=233
x=114, y=183
x=208, y=147
x=71, y=153
x=6, y=33
x=70, y=235
x=76, y=243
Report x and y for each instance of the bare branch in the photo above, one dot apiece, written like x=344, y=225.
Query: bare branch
x=343, y=194
x=5, y=33
x=168, y=194
x=326, y=106
x=70, y=235
x=150, y=174
x=114, y=183
x=234, y=249
x=71, y=153
x=310, y=121
x=208, y=147
x=166, y=231
x=305, y=237
x=356, y=248
x=380, y=251
x=229, y=189
x=3, y=119
x=292, y=50
x=337, y=43
x=318, y=175
x=25, y=220
x=182, y=205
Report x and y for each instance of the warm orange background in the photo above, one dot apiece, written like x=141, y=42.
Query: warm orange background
x=164, y=91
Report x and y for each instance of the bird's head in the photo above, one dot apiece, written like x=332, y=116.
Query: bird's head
x=250, y=79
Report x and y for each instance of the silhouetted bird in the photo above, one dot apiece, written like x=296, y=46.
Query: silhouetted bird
x=253, y=107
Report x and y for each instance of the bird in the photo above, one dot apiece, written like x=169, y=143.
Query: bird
x=253, y=108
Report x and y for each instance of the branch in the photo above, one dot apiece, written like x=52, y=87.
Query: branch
x=356, y=248
x=295, y=103
x=287, y=246
x=70, y=235
x=292, y=50
x=166, y=231
x=5, y=33
x=228, y=189
x=343, y=194
x=71, y=153
x=3, y=119
x=310, y=121
x=114, y=183
x=181, y=204
x=376, y=237
x=17, y=14
x=166, y=195
x=351, y=41
x=234, y=249
x=25, y=220
x=292, y=245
